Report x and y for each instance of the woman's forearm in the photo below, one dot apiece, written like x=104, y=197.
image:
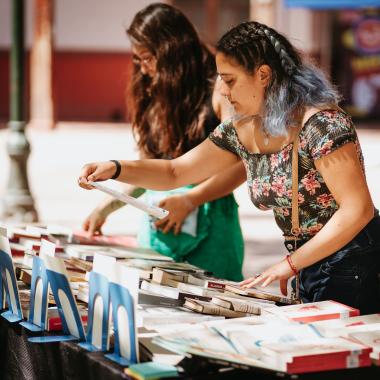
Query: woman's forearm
x=343, y=226
x=150, y=174
x=195, y=166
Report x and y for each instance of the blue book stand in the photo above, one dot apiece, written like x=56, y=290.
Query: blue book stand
x=9, y=284
x=124, y=326
x=99, y=293
x=39, y=294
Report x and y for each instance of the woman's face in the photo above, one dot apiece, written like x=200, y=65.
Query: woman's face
x=145, y=59
x=244, y=90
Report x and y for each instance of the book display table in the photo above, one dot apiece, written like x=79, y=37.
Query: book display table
x=20, y=359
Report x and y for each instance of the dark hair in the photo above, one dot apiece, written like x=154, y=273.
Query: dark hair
x=294, y=84
x=168, y=112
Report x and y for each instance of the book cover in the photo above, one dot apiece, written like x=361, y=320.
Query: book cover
x=236, y=304
x=343, y=327
x=257, y=293
x=315, y=311
x=212, y=309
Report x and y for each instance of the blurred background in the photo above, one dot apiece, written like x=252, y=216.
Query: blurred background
x=64, y=68
x=89, y=53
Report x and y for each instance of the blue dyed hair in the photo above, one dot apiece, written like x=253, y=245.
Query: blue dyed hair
x=294, y=84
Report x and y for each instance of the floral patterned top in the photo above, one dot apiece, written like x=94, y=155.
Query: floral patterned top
x=269, y=175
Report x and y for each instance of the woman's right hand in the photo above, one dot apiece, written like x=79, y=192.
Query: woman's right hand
x=96, y=171
x=94, y=222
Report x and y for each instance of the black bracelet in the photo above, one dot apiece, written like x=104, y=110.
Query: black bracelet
x=118, y=169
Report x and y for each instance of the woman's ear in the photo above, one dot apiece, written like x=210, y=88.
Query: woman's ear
x=265, y=74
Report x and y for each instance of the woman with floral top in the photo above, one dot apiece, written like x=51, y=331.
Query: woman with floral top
x=282, y=101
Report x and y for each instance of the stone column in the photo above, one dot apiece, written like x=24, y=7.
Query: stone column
x=18, y=204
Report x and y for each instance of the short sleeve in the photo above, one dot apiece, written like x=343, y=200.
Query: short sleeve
x=224, y=137
x=325, y=132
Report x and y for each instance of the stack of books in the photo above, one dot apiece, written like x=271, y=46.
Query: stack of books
x=275, y=344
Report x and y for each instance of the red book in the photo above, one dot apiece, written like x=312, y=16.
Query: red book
x=81, y=237
x=319, y=355
x=54, y=323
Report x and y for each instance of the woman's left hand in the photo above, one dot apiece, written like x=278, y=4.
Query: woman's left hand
x=179, y=207
x=280, y=271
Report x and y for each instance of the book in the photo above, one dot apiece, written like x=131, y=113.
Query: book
x=207, y=282
x=256, y=293
x=158, y=354
x=343, y=327
x=162, y=262
x=210, y=308
x=370, y=339
x=235, y=304
x=198, y=290
x=151, y=316
x=151, y=371
x=161, y=275
x=226, y=293
x=26, y=276
x=149, y=298
x=315, y=311
x=155, y=211
x=82, y=237
x=54, y=322
x=87, y=252
x=170, y=292
x=79, y=263
x=325, y=355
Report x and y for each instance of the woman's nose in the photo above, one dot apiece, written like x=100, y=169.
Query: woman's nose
x=143, y=70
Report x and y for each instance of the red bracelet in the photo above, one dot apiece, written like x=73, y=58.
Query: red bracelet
x=292, y=266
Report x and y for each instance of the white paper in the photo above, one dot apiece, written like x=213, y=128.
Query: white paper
x=157, y=212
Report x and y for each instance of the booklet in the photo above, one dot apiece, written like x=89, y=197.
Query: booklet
x=155, y=211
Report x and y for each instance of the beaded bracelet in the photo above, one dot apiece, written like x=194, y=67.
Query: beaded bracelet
x=291, y=264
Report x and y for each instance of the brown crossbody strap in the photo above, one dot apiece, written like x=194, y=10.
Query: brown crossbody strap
x=295, y=214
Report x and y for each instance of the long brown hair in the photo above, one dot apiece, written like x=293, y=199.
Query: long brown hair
x=169, y=112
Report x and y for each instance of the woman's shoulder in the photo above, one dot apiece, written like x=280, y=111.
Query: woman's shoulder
x=326, y=130
x=326, y=117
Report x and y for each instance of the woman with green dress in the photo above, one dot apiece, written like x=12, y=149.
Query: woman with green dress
x=174, y=107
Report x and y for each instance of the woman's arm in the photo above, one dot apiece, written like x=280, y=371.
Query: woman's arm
x=342, y=173
x=94, y=222
x=180, y=206
x=195, y=166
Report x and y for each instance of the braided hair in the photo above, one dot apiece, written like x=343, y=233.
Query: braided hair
x=294, y=84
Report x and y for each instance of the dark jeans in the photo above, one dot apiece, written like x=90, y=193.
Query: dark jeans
x=349, y=276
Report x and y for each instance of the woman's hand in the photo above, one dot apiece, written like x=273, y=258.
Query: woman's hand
x=94, y=222
x=179, y=207
x=280, y=271
x=96, y=171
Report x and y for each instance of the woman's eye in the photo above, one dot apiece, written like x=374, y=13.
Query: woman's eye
x=228, y=82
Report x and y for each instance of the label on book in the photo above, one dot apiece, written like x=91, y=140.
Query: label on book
x=352, y=361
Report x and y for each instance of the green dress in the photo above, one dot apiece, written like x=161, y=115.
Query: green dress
x=216, y=245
